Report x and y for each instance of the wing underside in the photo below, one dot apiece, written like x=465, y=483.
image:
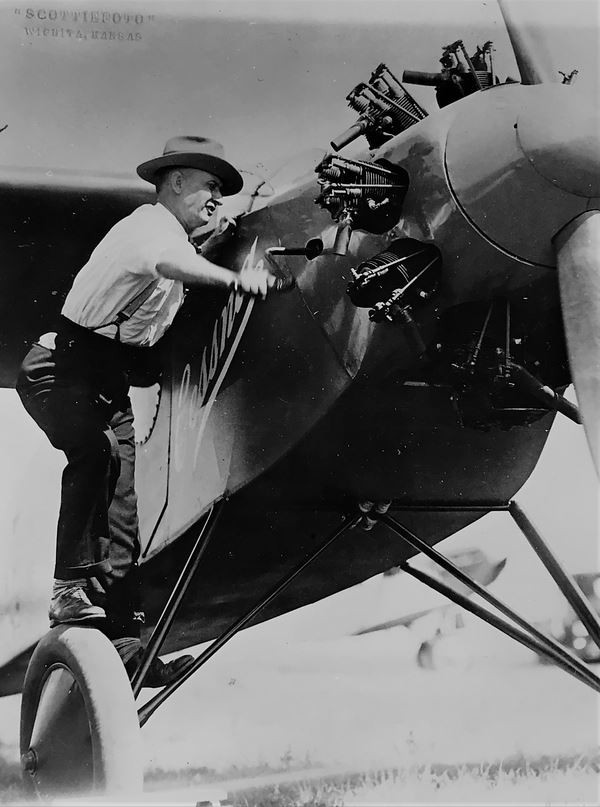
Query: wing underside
x=51, y=222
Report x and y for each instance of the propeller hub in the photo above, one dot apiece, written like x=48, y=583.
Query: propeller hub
x=522, y=162
x=560, y=135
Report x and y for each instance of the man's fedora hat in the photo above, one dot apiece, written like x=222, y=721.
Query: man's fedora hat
x=194, y=152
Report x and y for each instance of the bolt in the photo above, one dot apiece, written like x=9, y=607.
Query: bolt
x=367, y=523
x=382, y=507
x=29, y=761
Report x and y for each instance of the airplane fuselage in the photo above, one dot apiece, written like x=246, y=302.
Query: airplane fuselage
x=309, y=375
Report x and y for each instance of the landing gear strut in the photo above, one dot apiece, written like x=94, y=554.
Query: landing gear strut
x=79, y=725
x=518, y=628
x=169, y=613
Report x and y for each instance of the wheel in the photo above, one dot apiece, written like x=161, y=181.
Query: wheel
x=79, y=726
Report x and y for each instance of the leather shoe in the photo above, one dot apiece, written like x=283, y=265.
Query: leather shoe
x=160, y=673
x=70, y=603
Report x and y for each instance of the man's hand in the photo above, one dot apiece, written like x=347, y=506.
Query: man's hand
x=224, y=231
x=255, y=281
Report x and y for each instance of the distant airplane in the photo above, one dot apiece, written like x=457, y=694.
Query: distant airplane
x=473, y=562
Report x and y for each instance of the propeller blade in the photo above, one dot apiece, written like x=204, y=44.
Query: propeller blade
x=527, y=40
x=578, y=260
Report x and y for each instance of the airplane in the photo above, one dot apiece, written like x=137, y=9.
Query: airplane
x=437, y=296
x=430, y=624
x=471, y=561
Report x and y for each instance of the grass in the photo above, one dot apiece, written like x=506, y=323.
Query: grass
x=368, y=729
x=157, y=777
x=518, y=780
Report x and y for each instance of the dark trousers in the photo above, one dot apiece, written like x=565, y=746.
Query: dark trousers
x=78, y=394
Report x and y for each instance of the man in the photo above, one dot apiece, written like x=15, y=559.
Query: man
x=74, y=383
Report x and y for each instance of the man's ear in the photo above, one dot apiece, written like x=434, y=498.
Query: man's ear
x=176, y=181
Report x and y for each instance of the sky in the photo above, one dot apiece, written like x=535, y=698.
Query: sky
x=268, y=79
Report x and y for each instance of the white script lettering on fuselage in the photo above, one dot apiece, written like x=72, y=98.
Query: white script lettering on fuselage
x=196, y=398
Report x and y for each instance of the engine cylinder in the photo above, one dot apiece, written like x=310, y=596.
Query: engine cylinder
x=407, y=272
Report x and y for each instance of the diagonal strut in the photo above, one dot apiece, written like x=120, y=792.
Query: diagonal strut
x=530, y=636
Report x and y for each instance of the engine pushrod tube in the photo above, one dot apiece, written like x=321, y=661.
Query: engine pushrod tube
x=546, y=641
x=167, y=616
x=346, y=162
x=576, y=670
x=477, y=349
x=402, y=89
x=565, y=582
x=379, y=269
x=398, y=295
x=148, y=709
x=470, y=64
x=395, y=104
x=416, y=277
x=367, y=186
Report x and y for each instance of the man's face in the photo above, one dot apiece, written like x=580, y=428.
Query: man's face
x=200, y=194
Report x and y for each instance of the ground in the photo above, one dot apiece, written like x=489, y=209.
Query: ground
x=360, y=704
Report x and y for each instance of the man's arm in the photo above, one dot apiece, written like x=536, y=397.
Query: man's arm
x=194, y=270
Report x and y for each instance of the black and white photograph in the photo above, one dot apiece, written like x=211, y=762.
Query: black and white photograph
x=299, y=402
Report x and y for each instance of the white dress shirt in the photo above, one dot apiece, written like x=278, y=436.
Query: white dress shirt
x=123, y=265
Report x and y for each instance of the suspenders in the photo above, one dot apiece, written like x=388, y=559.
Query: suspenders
x=132, y=307
x=129, y=310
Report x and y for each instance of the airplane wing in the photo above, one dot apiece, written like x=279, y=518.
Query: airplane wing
x=51, y=222
x=53, y=219
x=402, y=621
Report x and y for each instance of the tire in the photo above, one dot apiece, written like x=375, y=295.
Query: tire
x=80, y=732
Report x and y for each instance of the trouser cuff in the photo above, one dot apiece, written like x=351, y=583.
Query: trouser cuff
x=85, y=570
x=128, y=647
